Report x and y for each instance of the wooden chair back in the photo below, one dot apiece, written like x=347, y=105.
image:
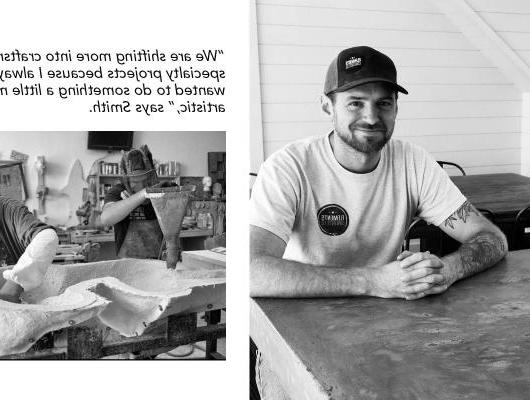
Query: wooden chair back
x=451, y=164
x=521, y=239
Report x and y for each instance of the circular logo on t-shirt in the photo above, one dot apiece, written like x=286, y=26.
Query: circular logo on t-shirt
x=333, y=219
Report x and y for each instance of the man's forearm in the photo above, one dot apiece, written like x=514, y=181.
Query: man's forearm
x=482, y=251
x=277, y=277
x=117, y=211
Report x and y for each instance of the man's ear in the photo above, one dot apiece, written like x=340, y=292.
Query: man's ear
x=326, y=104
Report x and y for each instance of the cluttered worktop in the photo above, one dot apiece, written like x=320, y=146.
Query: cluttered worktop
x=195, y=226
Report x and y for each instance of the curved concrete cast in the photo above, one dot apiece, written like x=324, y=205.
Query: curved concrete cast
x=127, y=295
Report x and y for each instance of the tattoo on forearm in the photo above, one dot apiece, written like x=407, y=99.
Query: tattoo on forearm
x=461, y=214
x=481, y=252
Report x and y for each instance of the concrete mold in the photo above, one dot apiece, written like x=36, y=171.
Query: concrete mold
x=127, y=295
x=170, y=207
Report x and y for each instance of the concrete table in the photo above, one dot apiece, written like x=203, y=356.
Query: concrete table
x=472, y=342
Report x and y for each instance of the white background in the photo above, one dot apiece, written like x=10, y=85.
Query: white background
x=167, y=25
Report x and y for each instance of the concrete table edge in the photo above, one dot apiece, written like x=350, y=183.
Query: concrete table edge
x=297, y=380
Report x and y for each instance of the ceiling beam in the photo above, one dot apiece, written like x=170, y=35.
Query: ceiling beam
x=480, y=34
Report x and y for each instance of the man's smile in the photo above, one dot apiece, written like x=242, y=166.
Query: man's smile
x=370, y=132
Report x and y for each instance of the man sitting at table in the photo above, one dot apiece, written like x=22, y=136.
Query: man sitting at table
x=329, y=214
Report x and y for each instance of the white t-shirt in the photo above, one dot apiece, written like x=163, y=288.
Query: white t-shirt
x=328, y=215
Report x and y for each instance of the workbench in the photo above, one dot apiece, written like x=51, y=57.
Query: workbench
x=106, y=237
x=88, y=343
x=471, y=342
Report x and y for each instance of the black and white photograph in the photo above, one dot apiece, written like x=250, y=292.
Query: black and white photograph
x=389, y=199
x=113, y=245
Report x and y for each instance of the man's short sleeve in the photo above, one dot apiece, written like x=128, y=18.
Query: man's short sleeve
x=18, y=227
x=438, y=195
x=25, y=223
x=275, y=197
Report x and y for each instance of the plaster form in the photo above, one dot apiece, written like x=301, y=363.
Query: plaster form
x=127, y=295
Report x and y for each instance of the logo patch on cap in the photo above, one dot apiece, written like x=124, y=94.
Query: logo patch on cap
x=353, y=62
x=333, y=220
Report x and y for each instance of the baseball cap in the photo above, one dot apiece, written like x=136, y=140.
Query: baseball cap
x=137, y=162
x=359, y=65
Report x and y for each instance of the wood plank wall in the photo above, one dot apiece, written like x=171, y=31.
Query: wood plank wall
x=510, y=19
x=461, y=108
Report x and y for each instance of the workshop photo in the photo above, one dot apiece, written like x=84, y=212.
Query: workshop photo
x=389, y=200
x=113, y=245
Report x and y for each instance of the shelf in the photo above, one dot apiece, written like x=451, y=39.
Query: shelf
x=93, y=237
x=185, y=233
x=121, y=176
x=109, y=237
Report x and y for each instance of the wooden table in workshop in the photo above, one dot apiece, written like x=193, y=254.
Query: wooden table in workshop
x=109, y=237
x=471, y=342
x=191, y=239
x=504, y=194
x=103, y=237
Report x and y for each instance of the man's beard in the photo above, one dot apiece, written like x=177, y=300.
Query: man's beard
x=367, y=146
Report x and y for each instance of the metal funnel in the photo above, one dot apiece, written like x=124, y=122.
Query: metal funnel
x=170, y=207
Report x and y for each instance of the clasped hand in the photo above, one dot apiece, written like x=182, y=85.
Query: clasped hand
x=412, y=276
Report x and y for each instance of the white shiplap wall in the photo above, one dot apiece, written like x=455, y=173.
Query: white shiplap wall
x=525, y=137
x=460, y=108
x=510, y=19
